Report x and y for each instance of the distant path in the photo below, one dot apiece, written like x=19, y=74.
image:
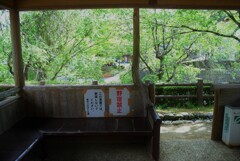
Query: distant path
x=116, y=78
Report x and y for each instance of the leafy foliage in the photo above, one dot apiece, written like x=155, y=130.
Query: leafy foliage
x=177, y=46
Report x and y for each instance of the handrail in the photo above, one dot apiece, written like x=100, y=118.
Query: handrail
x=154, y=114
x=9, y=92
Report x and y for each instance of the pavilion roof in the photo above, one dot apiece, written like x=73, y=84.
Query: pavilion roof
x=25, y=5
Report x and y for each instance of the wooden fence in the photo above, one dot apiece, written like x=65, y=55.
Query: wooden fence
x=200, y=96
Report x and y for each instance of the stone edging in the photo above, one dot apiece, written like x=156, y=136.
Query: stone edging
x=186, y=118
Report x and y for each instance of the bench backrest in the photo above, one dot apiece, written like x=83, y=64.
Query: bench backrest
x=84, y=101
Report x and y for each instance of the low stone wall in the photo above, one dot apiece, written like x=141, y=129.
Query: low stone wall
x=185, y=118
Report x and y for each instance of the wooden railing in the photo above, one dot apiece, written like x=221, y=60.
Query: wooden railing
x=10, y=92
x=200, y=96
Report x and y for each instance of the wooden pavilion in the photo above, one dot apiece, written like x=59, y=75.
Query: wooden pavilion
x=38, y=112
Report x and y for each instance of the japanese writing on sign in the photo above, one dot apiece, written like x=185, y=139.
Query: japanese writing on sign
x=119, y=101
x=94, y=103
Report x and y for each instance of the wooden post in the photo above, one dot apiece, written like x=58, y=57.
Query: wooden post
x=151, y=90
x=94, y=82
x=136, y=48
x=16, y=48
x=200, y=92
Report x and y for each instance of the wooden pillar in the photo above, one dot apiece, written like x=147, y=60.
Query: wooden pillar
x=16, y=48
x=136, y=48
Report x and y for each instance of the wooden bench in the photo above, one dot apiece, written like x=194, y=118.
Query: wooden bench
x=17, y=142
x=61, y=112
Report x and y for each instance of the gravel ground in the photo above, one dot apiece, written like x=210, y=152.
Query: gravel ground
x=197, y=150
x=192, y=143
x=186, y=142
x=186, y=131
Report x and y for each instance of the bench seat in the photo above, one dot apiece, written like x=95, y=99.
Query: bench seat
x=20, y=139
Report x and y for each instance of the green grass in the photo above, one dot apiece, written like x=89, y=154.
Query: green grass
x=193, y=109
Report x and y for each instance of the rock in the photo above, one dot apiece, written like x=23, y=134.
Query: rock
x=178, y=117
x=198, y=121
x=185, y=115
x=167, y=122
x=161, y=116
x=190, y=117
x=198, y=115
x=208, y=121
x=187, y=122
x=169, y=116
x=208, y=115
x=178, y=122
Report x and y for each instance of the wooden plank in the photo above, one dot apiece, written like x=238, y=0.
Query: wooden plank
x=125, y=124
x=141, y=124
x=156, y=140
x=75, y=4
x=96, y=124
x=199, y=4
x=17, y=49
x=39, y=110
x=63, y=103
x=224, y=96
x=215, y=125
x=6, y=4
x=172, y=4
x=68, y=101
x=8, y=93
x=76, y=125
x=9, y=113
x=47, y=104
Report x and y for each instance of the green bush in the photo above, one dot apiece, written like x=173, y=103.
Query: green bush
x=182, y=90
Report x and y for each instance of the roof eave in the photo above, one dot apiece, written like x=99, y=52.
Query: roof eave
x=6, y=4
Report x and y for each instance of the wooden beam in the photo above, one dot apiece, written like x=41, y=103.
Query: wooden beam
x=6, y=4
x=16, y=48
x=75, y=4
x=199, y=4
x=171, y=4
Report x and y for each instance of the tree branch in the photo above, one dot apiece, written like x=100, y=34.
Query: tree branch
x=231, y=16
x=212, y=32
x=146, y=64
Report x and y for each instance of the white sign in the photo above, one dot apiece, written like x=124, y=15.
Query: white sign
x=94, y=103
x=119, y=101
